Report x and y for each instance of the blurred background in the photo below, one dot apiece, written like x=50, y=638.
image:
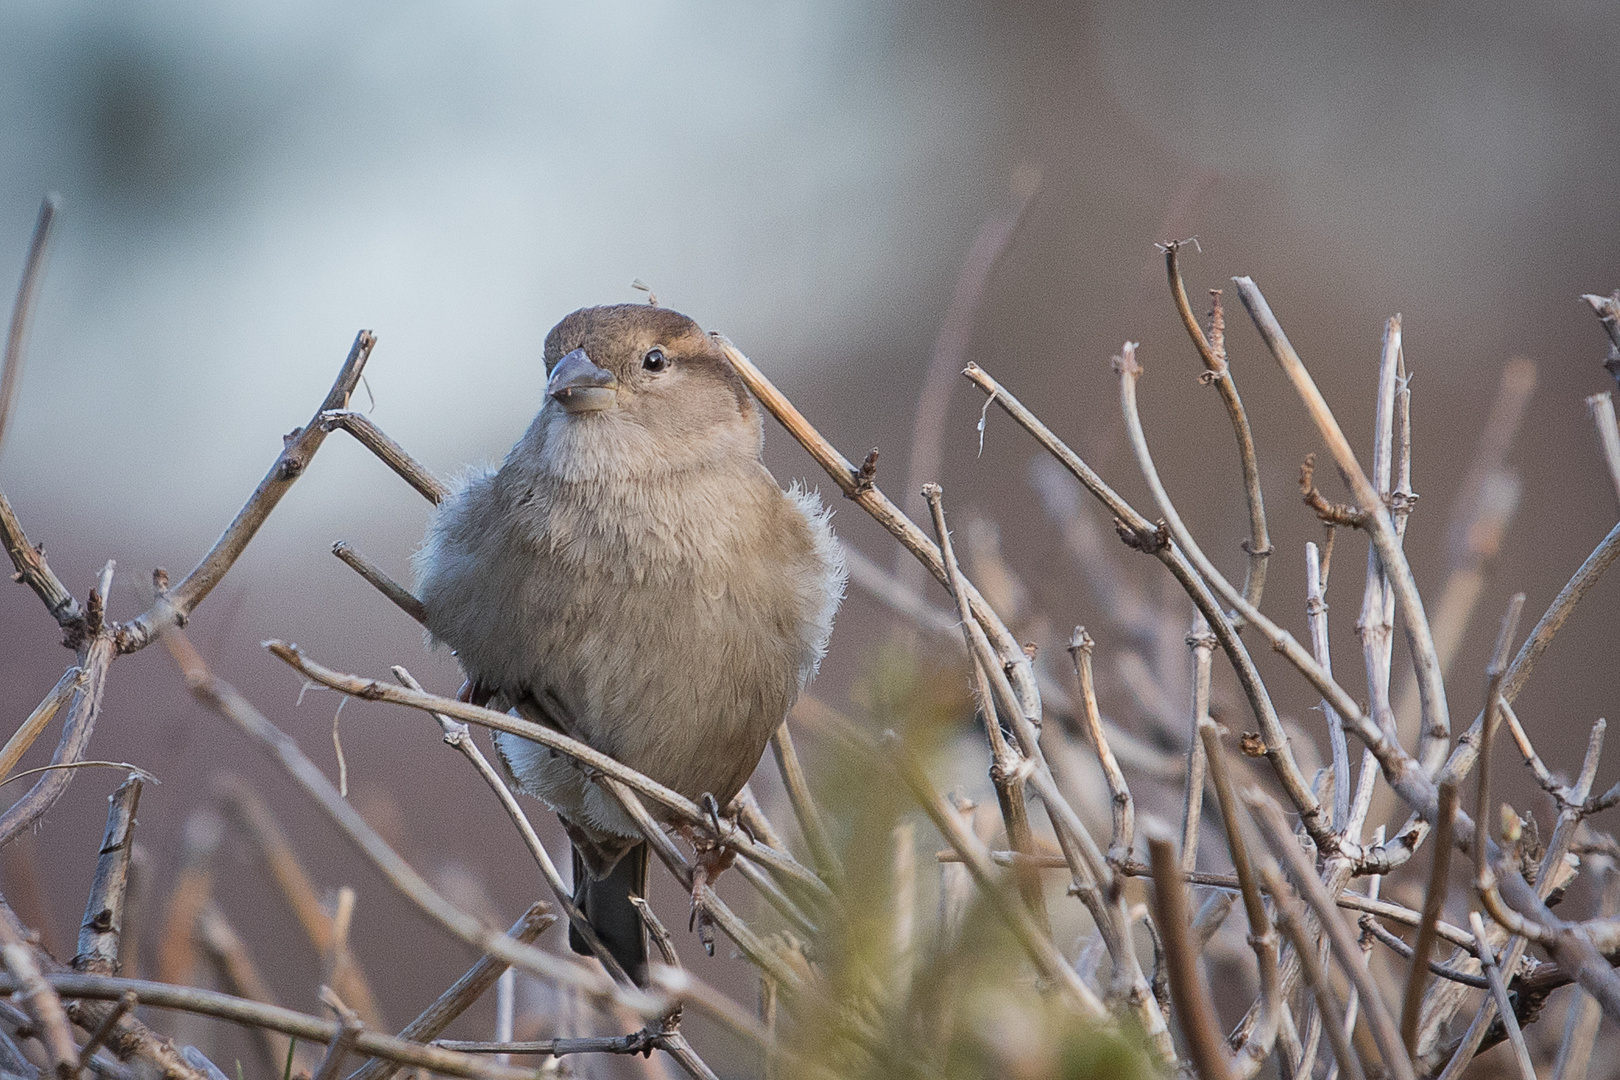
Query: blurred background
x=246, y=186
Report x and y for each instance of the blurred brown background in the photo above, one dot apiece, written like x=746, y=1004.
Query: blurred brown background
x=245, y=187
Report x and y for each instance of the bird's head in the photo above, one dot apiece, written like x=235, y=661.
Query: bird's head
x=633, y=379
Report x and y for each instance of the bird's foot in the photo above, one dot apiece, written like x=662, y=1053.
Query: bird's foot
x=713, y=858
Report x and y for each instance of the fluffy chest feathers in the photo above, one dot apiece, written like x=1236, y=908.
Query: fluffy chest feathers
x=672, y=614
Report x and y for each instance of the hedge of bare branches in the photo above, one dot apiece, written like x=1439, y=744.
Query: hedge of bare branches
x=849, y=983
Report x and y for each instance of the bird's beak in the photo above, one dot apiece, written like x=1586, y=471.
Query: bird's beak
x=579, y=386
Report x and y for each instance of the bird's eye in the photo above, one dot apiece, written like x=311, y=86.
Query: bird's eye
x=655, y=360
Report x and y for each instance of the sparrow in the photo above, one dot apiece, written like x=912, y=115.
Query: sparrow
x=633, y=568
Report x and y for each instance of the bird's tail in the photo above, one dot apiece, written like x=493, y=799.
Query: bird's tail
x=605, y=902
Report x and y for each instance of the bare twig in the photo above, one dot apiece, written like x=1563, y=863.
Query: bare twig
x=1504, y=1007
x=1608, y=432
x=1213, y=352
x=103, y=923
x=1005, y=773
x=256, y=1014
x=22, y=309
x=177, y=604
x=1263, y=1036
x=804, y=805
x=461, y=994
x=1291, y=920
x=1124, y=811
x=1202, y=643
x=33, y=571
x=1280, y=838
x=82, y=713
x=397, y=593
x=29, y=730
x=1607, y=309
x=388, y=451
x=1316, y=609
x=1434, y=902
x=40, y=1000
x=1194, y=1009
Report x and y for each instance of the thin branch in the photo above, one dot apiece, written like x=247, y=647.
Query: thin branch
x=1291, y=920
x=33, y=571
x=99, y=1037
x=1037, y=944
x=239, y=975
x=1213, y=352
x=1607, y=309
x=865, y=494
x=1433, y=967
x=29, y=730
x=1504, y=1007
x=80, y=723
x=1194, y=1010
x=40, y=999
x=1280, y=838
x=103, y=923
x=682, y=807
x=301, y=1026
x=1434, y=902
x=22, y=310
x=1119, y=792
x=1263, y=1036
x=1436, y=717
x=1608, y=433
x=388, y=451
x=397, y=593
x=460, y=995
x=1202, y=643
x=459, y=736
x=1005, y=774
x=805, y=812
x=1316, y=611
x=175, y=606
